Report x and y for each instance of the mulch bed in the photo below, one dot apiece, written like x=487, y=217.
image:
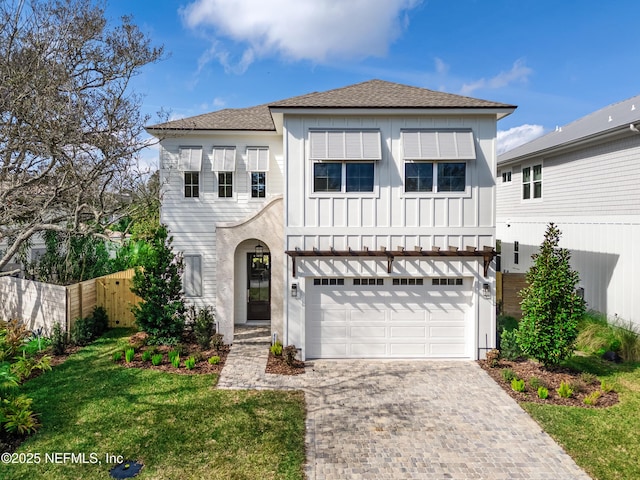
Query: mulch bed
x=277, y=365
x=526, y=369
x=187, y=349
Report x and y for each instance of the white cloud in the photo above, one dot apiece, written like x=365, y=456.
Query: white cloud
x=441, y=67
x=316, y=30
x=519, y=73
x=516, y=136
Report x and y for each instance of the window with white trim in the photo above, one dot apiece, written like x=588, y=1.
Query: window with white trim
x=258, y=166
x=225, y=184
x=192, y=276
x=506, y=176
x=344, y=160
x=191, y=184
x=436, y=160
x=190, y=163
x=532, y=182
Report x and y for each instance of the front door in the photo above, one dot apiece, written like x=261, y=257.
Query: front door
x=258, y=287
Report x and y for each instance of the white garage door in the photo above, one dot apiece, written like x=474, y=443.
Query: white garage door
x=388, y=318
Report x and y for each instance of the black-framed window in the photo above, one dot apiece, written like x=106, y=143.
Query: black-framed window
x=452, y=176
x=343, y=176
x=359, y=176
x=258, y=184
x=327, y=177
x=516, y=252
x=225, y=184
x=191, y=184
x=435, y=176
x=418, y=177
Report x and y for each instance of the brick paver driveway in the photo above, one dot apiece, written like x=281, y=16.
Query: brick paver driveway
x=405, y=419
x=422, y=419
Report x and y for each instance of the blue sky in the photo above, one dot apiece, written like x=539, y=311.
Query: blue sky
x=558, y=60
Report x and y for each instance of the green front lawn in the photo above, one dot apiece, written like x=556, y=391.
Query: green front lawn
x=604, y=442
x=179, y=426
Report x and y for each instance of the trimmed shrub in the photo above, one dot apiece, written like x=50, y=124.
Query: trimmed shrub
x=550, y=304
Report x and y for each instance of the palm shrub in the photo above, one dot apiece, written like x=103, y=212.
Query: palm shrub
x=159, y=283
x=550, y=304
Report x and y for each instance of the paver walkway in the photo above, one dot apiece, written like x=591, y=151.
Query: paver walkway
x=405, y=419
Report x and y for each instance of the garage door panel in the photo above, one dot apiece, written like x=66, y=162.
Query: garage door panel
x=368, y=315
x=447, y=349
x=369, y=349
x=414, y=350
x=328, y=350
x=329, y=331
x=448, y=331
x=368, y=331
x=419, y=333
x=404, y=315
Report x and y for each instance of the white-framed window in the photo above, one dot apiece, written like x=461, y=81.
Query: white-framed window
x=192, y=276
x=225, y=184
x=435, y=160
x=258, y=166
x=506, y=176
x=190, y=163
x=191, y=184
x=344, y=160
x=258, y=184
x=532, y=182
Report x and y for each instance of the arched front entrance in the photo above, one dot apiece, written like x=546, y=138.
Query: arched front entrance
x=249, y=289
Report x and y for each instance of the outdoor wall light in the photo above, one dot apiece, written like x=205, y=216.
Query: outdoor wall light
x=294, y=290
x=259, y=251
x=486, y=293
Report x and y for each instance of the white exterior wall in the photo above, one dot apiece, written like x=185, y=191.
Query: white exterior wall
x=592, y=194
x=389, y=217
x=192, y=221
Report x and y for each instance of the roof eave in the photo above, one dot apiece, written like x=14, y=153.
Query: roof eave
x=569, y=145
x=499, y=112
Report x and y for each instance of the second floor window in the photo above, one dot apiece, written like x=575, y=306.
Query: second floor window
x=343, y=177
x=225, y=184
x=191, y=184
x=445, y=177
x=258, y=184
x=532, y=182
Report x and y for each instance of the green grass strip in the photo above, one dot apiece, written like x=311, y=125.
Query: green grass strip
x=179, y=426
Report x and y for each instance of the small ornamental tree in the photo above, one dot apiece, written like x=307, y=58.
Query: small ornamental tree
x=550, y=305
x=159, y=283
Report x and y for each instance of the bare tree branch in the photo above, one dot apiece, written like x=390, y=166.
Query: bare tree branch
x=70, y=128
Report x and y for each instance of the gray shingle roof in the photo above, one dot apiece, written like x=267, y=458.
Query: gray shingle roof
x=251, y=118
x=615, y=116
x=371, y=94
x=382, y=94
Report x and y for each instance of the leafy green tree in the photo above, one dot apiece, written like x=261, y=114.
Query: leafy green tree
x=158, y=281
x=550, y=304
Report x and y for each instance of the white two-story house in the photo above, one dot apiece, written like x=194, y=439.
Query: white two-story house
x=584, y=178
x=359, y=222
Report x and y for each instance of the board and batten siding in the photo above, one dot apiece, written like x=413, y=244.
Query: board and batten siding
x=192, y=221
x=592, y=195
x=389, y=217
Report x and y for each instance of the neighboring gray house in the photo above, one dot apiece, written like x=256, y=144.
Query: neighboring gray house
x=584, y=177
x=358, y=222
